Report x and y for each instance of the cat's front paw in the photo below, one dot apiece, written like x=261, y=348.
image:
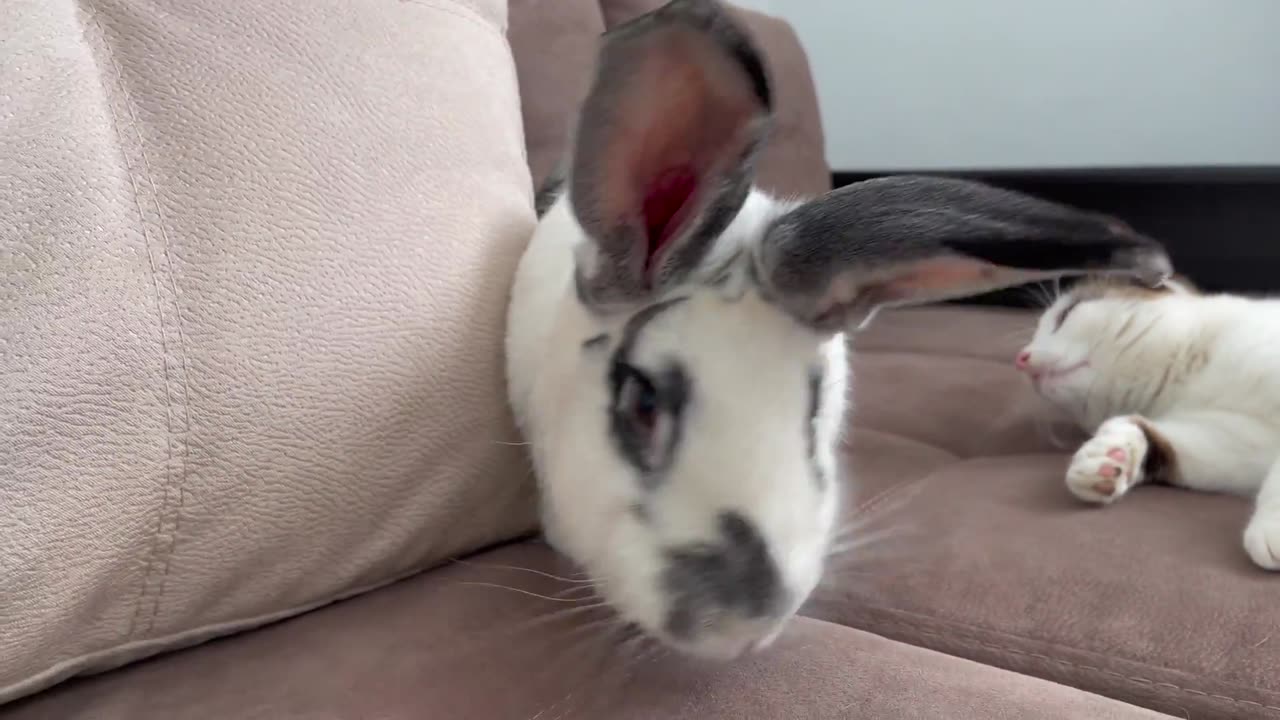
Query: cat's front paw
x=1262, y=540
x=1110, y=463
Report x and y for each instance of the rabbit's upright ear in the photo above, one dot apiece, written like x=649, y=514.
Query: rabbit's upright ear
x=914, y=239
x=664, y=148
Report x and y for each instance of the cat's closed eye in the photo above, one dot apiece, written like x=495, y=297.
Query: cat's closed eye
x=1062, y=316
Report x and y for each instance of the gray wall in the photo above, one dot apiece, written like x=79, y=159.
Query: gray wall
x=937, y=84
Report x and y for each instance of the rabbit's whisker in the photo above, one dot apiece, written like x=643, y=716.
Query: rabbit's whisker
x=530, y=593
x=578, y=578
x=576, y=589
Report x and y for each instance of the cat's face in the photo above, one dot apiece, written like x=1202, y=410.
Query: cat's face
x=1095, y=336
x=1064, y=356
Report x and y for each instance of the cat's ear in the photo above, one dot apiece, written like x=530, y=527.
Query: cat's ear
x=911, y=239
x=664, y=151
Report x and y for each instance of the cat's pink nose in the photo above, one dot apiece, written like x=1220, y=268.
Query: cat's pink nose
x=1023, y=360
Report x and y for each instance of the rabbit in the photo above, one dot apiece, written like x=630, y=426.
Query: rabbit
x=1174, y=385
x=676, y=340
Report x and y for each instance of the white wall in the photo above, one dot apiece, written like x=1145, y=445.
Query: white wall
x=937, y=84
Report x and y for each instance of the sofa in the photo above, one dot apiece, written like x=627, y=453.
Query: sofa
x=256, y=460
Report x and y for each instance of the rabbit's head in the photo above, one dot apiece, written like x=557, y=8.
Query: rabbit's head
x=690, y=385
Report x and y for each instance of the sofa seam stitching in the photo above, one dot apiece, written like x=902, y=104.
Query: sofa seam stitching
x=877, y=500
x=1104, y=671
x=175, y=474
x=1061, y=661
x=952, y=456
x=956, y=458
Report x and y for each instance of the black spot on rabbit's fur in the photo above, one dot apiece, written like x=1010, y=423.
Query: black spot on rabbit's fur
x=636, y=324
x=595, y=341
x=810, y=428
x=547, y=194
x=735, y=574
x=649, y=453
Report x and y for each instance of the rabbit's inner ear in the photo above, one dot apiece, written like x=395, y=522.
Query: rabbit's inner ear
x=665, y=145
x=848, y=295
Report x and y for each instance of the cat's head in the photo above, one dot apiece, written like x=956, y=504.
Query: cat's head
x=1093, y=332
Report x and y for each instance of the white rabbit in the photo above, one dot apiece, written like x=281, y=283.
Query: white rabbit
x=1177, y=387
x=674, y=354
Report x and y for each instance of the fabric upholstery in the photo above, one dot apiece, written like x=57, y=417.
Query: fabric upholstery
x=985, y=554
x=255, y=267
x=554, y=46
x=466, y=643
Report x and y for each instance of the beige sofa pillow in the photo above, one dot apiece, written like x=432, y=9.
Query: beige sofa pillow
x=253, y=265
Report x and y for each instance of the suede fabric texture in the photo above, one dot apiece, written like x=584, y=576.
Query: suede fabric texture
x=986, y=555
x=466, y=643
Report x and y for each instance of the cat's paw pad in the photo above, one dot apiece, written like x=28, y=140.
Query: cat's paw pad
x=1262, y=541
x=1110, y=463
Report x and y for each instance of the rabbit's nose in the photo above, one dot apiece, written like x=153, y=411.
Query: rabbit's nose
x=1023, y=361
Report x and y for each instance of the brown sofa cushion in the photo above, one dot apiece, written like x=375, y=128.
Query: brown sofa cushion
x=467, y=643
x=987, y=556
x=238, y=380
x=555, y=46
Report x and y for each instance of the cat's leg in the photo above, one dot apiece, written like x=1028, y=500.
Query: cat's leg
x=1209, y=450
x=1262, y=534
x=1110, y=463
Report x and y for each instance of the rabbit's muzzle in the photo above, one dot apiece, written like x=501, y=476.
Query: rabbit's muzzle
x=725, y=597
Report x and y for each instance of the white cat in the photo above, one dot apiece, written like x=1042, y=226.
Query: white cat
x=1176, y=386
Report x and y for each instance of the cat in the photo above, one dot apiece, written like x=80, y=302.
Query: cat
x=1176, y=387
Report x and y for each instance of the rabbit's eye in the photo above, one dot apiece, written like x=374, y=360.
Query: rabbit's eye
x=638, y=399
x=645, y=414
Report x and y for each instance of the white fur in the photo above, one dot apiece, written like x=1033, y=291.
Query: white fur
x=743, y=447
x=1202, y=370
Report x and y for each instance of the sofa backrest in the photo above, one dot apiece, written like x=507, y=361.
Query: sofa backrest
x=255, y=266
